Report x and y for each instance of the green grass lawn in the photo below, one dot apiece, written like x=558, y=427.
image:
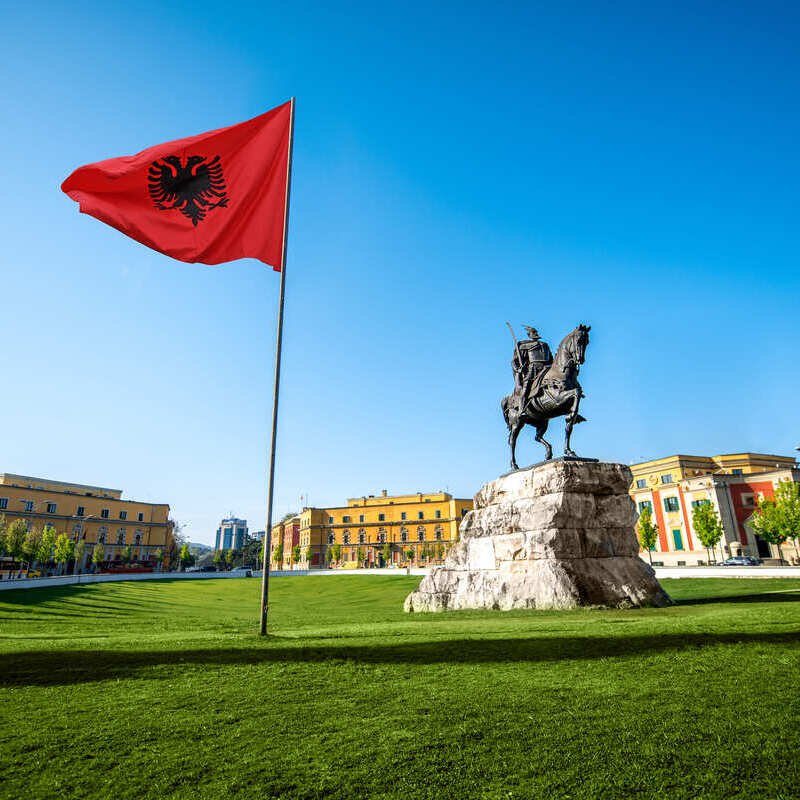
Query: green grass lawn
x=163, y=689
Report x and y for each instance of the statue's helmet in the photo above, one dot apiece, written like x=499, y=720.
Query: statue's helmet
x=532, y=332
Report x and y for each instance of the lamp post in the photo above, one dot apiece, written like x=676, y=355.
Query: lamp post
x=80, y=535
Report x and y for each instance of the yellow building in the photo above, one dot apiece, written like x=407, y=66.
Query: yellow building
x=380, y=531
x=671, y=487
x=93, y=514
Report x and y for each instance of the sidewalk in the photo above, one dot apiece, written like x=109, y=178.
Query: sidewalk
x=661, y=572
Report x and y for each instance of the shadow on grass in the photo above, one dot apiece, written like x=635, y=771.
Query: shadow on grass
x=781, y=596
x=61, y=667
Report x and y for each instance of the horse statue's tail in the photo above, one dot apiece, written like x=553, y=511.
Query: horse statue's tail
x=504, y=406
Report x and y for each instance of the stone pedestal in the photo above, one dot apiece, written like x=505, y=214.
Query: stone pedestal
x=556, y=535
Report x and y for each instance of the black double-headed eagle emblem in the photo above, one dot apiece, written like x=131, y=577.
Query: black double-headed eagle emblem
x=193, y=188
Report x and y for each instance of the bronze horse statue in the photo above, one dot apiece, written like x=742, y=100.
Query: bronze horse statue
x=554, y=393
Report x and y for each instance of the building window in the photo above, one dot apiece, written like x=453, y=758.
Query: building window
x=330, y=520
x=643, y=504
x=28, y=505
x=677, y=539
x=137, y=538
x=105, y=513
x=51, y=508
x=737, y=472
x=403, y=534
x=666, y=478
x=121, y=536
x=346, y=537
x=123, y=515
x=140, y=516
x=464, y=512
x=382, y=536
x=362, y=537
x=641, y=483
x=81, y=511
x=76, y=531
x=360, y=517
x=101, y=534
x=3, y=503
x=331, y=538
x=420, y=515
x=748, y=500
x=438, y=514
x=696, y=503
x=438, y=533
x=403, y=515
x=421, y=533
x=381, y=517
x=345, y=519
x=671, y=504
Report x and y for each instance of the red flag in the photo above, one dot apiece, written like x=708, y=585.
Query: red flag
x=210, y=198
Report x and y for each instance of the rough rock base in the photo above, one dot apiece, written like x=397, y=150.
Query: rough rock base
x=556, y=535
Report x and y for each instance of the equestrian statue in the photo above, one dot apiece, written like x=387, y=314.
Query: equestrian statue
x=545, y=387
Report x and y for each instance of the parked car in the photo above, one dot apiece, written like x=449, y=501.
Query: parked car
x=740, y=561
x=208, y=568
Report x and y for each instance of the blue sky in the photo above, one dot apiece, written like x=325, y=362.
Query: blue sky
x=632, y=166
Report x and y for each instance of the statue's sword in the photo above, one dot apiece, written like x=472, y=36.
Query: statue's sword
x=514, y=337
x=516, y=350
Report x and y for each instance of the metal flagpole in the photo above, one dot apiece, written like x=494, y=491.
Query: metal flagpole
x=271, y=482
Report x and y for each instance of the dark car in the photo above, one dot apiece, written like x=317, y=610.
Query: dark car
x=740, y=561
x=208, y=568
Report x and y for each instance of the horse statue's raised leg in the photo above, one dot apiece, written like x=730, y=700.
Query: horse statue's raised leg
x=571, y=420
x=513, y=433
x=541, y=427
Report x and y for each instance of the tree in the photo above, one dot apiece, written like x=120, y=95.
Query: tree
x=229, y=557
x=15, y=539
x=80, y=549
x=707, y=526
x=126, y=554
x=185, y=556
x=777, y=520
x=409, y=555
x=64, y=550
x=46, y=544
x=296, y=554
x=386, y=553
x=219, y=557
x=159, y=557
x=307, y=555
x=648, y=532
x=31, y=545
x=336, y=552
x=787, y=498
x=360, y=556
x=98, y=555
x=277, y=554
x=251, y=552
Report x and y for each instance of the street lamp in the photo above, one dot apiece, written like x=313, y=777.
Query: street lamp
x=80, y=534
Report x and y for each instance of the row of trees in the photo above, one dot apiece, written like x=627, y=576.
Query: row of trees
x=775, y=520
x=40, y=547
x=427, y=553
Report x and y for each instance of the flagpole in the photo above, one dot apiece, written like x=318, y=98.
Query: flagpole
x=278, y=344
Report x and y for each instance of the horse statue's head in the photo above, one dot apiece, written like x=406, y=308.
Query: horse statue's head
x=575, y=343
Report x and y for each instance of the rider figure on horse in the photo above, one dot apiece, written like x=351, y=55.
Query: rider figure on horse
x=531, y=359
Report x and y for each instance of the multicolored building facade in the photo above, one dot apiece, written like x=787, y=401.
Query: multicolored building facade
x=375, y=531
x=733, y=483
